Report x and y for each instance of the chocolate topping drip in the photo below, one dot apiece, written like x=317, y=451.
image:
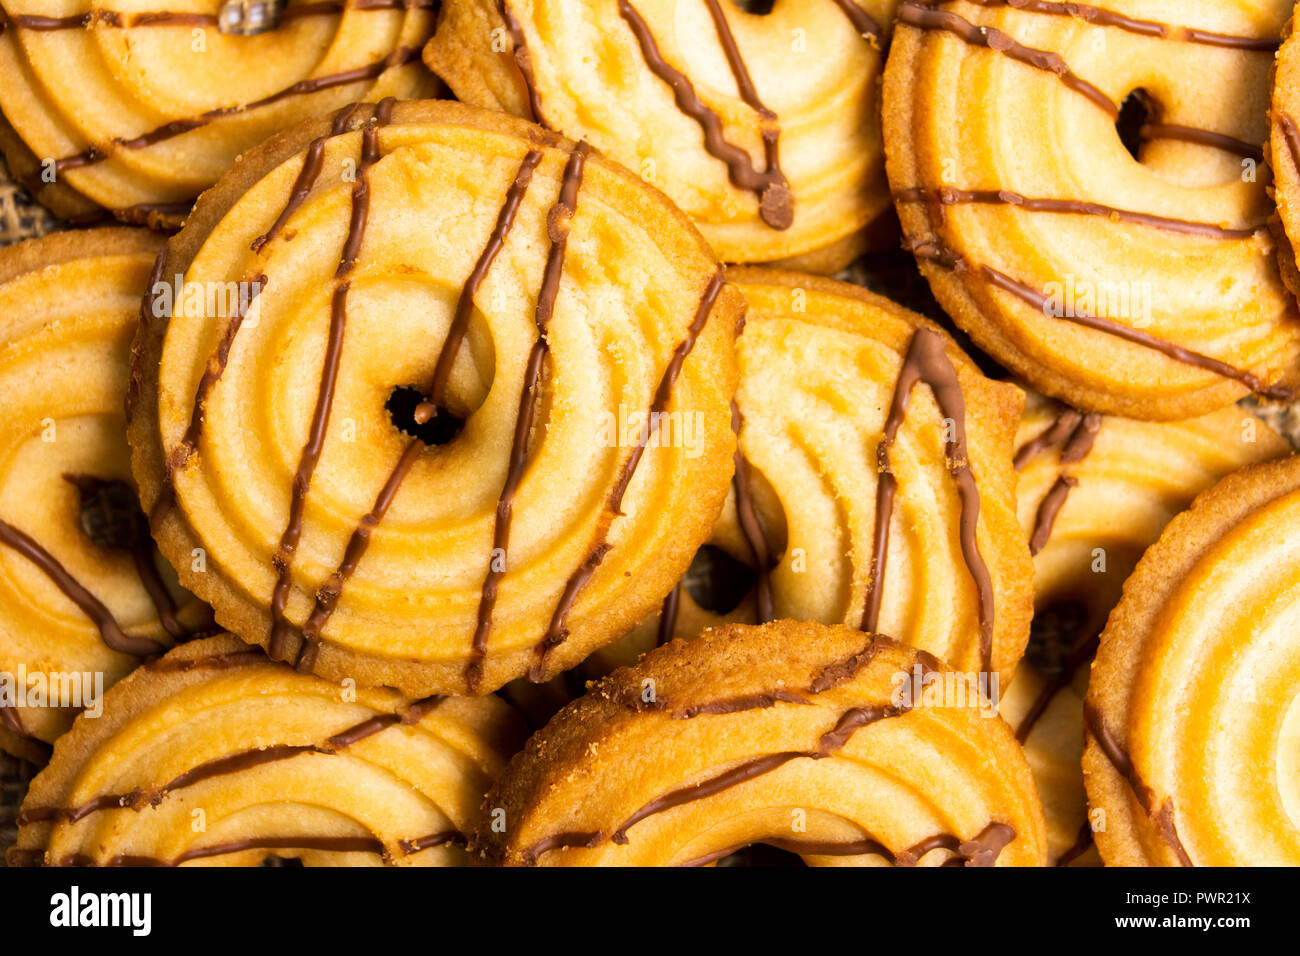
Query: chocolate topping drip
x=1081, y=436
x=94, y=154
x=983, y=850
x=117, y=20
x=913, y=14
x=927, y=361
x=862, y=21
x=40, y=750
x=948, y=196
x=750, y=525
x=1291, y=133
x=328, y=844
x=91, y=606
x=559, y=221
x=523, y=61
x=776, y=202
x=668, y=615
x=1149, y=28
x=1080, y=846
x=234, y=763
x=557, y=633
x=1082, y=651
x=315, y=445
x=327, y=596
x=1113, y=750
x=1201, y=137
x=935, y=252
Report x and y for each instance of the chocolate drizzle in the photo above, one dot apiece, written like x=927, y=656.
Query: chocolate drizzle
x=750, y=525
x=983, y=850
x=523, y=61
x=559, y=221
x=118, y=20
x=1076, y=433
x=1148, y=28
x=1163, y=817
x=95, y=154
x=927, y=361
x=1291, y=134
x=233, y=763
x=668, y=615
x=109, y=629
x=913, y=14
x=1201, y=137
x=935, y=252
x=947, y=196
x=328, y=595
x=862, y=21
x=557, y=632
x=311, y=452
x=776, y=202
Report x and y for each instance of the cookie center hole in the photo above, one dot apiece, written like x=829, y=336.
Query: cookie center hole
x=718, y=582
x=413, y=415
x=110, y=513
x=756, y=7
x=1137, y=110
x=762, y=855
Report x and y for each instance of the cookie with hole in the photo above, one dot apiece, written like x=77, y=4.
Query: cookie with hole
x=1094, y=492
x=873, y=474
x=469, y=422
x=1138, y=283
x=84, y=596
x=842, y=748
x=131, y=112
x=760, y=120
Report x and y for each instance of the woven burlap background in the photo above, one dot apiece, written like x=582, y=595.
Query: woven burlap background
x=893, y=274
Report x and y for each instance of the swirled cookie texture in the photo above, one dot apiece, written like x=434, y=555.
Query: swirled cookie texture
x=135, y=110
x=1192, y=712
x=261, y=761
x=1142, y=283
x=471, y=420
x=83, y=594
x=1284, y=155
x=763, y=128
x=1095, y=491
x=874, y=471
x=844, y=748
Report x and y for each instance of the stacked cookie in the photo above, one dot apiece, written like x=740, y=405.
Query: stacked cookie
x=431, y=411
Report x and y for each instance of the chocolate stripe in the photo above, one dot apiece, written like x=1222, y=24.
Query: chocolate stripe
x=938, y=254
x=523, y=61
x=327, y=596
x=1291, y=133
x=862, y=21
x=109, y=630
x=311, y=452
x=233, y=763
x=776, y=205
x=99, y=153
x=668, y=615
x=1114, y=752
x=947, y=196
x=558, y=632
x=927, y=361
x=1201, y=137
x=914, y=14
x=558, y=224
x=115, y=19
x=750, y=525
x=1055, y=434
x=983, y=850
x=1101, y=17
x=1075, y=450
